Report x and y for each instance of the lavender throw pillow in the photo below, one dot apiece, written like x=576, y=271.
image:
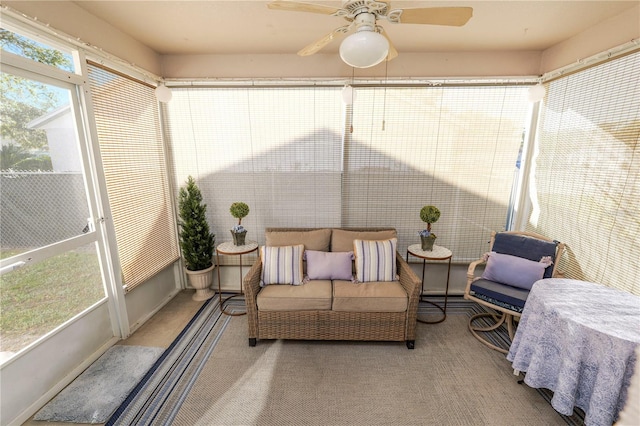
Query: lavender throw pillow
x=513, y=270
x=322, y=265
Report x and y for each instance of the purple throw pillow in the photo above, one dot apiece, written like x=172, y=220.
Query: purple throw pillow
x=513, y=270
x=322, y=265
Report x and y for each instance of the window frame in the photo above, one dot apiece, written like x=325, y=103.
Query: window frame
x=97, y=233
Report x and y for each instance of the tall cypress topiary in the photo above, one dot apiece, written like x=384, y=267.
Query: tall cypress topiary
x=196, y=241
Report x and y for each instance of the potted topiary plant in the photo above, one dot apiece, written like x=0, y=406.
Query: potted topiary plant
x=196, y=241
x=239, y=210
x=429, y=215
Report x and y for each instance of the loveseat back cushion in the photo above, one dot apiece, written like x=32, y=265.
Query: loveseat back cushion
x=369, y=297
x=281, y=265
x=312, y=296
x=342, y=239
x=312, y=239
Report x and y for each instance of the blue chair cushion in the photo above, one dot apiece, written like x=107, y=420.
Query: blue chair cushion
x=526, y=247
x=503, y=295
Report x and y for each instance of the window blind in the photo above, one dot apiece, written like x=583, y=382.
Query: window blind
x=129, y=134
x=277, y=149
x=587, y=172
x=452, y=147
x=289, y=153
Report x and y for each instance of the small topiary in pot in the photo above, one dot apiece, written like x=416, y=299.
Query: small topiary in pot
x=429, y=215
x=239, y=210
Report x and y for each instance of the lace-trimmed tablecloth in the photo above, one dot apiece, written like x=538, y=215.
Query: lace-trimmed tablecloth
x=578, y=339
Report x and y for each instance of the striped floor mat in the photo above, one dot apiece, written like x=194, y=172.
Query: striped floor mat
x=158, y=397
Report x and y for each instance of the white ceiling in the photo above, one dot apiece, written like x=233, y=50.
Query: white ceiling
x=249, y=27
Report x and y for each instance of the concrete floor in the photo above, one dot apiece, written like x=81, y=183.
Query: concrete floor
x=159, y=331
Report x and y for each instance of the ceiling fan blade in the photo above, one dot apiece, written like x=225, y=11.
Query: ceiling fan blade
x=302, y=7
x=392, y=50
x=319, y=44
x=451, y=16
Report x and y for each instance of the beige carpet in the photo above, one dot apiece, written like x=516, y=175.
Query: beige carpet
x=448, y=379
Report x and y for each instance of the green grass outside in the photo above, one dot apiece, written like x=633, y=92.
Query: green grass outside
x=37, y=298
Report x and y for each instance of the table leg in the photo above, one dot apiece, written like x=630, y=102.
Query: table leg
x=446, y=296
x=222, y=301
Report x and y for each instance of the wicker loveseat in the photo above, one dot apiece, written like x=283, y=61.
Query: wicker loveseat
x=331, y=309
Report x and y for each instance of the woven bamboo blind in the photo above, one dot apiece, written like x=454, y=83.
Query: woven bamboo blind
x=129, y=133
x=453, y=147
x=587, y=172
x=289, y=153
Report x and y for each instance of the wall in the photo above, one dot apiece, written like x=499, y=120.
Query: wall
x=610, y=33
x=459, y=64
x=25, y=386
x=145, y=300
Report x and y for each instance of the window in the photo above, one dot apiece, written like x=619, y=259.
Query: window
x=35, y=50
x=277, y=149
x=452, y=147
x=587, y=172
x=128, y=125
x=289, y=153
x=49, y=249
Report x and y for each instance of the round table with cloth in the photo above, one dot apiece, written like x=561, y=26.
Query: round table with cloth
x=578, y=339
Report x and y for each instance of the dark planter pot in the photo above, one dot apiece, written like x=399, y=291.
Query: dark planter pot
x=427, y=243
x=238, y=237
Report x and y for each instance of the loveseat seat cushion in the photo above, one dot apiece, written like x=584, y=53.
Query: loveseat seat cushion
x=369, y=297
x=313, y=239
x=312, y=296
x=342, y=239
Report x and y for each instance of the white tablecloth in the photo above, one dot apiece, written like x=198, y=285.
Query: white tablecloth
x=578, y=339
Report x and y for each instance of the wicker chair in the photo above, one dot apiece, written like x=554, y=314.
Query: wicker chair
x=507, y=301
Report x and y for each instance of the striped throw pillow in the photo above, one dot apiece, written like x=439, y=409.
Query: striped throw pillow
x=375, y=260
x=281, y=265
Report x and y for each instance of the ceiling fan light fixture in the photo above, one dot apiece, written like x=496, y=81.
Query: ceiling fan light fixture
x=364, y=49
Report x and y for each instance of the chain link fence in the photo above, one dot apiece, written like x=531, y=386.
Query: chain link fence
x=41, y=208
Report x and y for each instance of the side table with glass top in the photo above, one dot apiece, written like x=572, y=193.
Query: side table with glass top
x=438, y=253
x=229, y=249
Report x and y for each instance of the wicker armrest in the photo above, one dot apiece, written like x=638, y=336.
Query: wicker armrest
x=251, y=283
x=411, y=283
x=408, y=279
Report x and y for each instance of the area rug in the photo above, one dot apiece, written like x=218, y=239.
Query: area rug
x=96, y=393
x=210, y=376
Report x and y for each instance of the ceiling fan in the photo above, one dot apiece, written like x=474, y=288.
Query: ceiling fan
x=367, y=47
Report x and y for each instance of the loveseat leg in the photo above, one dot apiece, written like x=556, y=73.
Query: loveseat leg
x=411, y=344
x=252, y=341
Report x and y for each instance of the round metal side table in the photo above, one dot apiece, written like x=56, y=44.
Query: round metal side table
x=438, y=253
x=229, y=249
